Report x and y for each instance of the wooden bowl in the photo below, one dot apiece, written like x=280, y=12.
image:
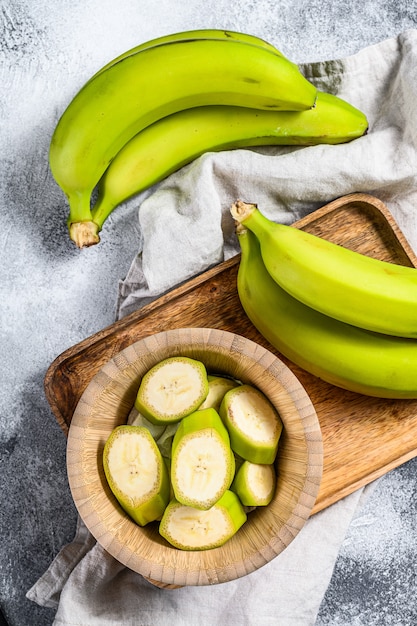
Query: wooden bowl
x=106, y=403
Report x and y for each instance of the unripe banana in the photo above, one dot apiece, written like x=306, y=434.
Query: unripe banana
x=153, y=83
x=218, y=386
x=188, y=528
x=205, y=33
x=176, y=140
x=341, y=283
x=136, y=473
x=202, y=463
x=253, y=424
x=346, y=356
x=254, y=484
x=172, y=389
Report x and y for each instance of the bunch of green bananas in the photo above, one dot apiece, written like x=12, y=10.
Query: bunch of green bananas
x=160, y=105
x=347, y=318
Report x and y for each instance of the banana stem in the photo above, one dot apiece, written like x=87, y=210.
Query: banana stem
x=82, y=227
x=84, y=234
x=242, y=210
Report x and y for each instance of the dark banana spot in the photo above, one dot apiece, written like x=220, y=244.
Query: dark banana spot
x=248, y=79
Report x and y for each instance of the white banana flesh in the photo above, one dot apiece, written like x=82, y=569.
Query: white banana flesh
x=191, y=528
x=134, y=466
x=184, y=474
x=254, y=484
x=343, y=355
x=172, y=389
x=136, y=473
x=202, y=464
x=218, y=386
x=253, y=424
x=188, y=528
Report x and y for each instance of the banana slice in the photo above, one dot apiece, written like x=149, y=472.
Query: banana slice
x=136, y=473
x=202, y=462
x=254, y=484
x=218, y=386
x=172, y=389
x=188, y=528
x=253, y=423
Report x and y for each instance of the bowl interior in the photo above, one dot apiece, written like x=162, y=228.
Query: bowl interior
x=107, y=402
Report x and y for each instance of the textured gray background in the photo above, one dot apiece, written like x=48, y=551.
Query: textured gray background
x=52, y=296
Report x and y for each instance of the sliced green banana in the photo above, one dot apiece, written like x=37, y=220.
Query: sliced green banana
x=188, y=528
x=202, y=463
x=172, y=389
x=254, y=484
x=253, y=423
x=218, y=386
x=136, y=473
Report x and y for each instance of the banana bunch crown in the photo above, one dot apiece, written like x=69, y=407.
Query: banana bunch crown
x=318, y=304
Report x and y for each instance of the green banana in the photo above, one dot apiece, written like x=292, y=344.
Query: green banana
x=136, y=473
x=202, y=463
x=188, y=528
x=253, y=424
x=343, y=355
x=346, y=285
x=153, y=83
x=176, y=140
x=204, y=33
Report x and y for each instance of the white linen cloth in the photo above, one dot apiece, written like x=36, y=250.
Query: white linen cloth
x=186, y=227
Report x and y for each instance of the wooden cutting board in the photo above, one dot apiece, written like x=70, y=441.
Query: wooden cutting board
x=363, y=437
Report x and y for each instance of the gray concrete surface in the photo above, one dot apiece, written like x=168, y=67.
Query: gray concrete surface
x=53, y=297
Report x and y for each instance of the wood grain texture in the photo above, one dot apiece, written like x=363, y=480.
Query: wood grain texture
x=107, y=402
x=363, y=437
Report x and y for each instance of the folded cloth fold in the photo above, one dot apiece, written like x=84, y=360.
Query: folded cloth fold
x=185, y=222
x=97, y=590
x=186, y=228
